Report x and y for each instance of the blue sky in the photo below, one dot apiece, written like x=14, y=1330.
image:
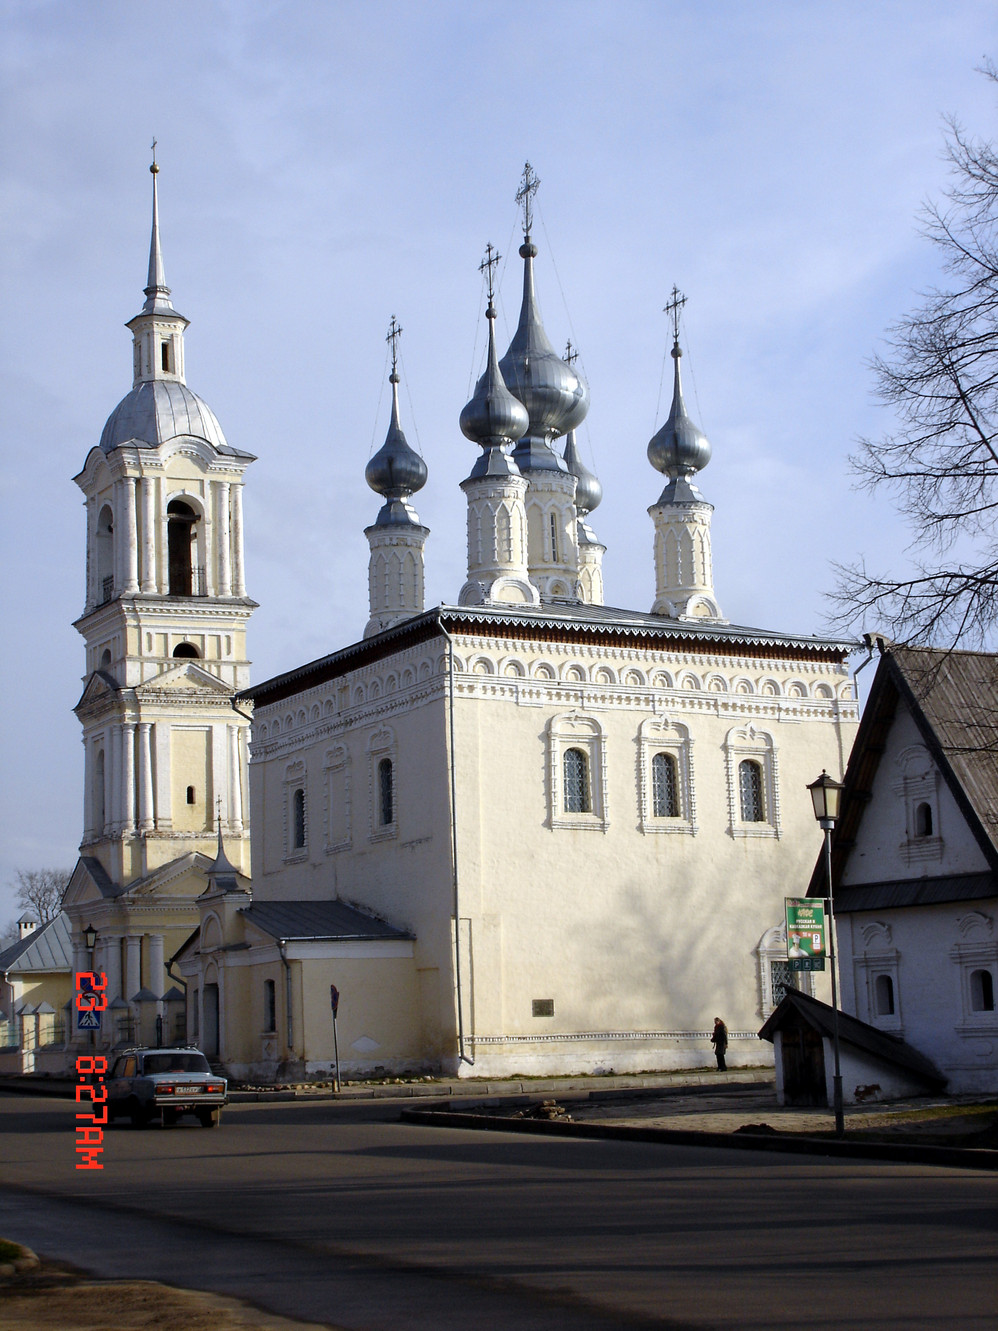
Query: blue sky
x=325, y=166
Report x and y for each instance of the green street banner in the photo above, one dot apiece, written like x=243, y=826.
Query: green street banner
x=805, y=934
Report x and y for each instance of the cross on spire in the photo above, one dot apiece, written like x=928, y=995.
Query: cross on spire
x=571, y=353
x=488, y=267
x=154, y=168
x=394, y=333
x=673, y=308
x=525, y=195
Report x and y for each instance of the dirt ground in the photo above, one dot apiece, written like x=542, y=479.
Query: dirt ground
x=58, y=1297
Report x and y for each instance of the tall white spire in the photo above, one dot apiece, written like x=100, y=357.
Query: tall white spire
x=157, y=293
x=158, y=330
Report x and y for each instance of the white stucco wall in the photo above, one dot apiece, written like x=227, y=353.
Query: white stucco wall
x=638, y=931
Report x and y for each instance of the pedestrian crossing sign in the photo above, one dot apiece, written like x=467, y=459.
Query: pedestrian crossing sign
x=88, y=1020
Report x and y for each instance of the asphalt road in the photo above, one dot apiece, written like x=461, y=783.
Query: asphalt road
x=335, y=1213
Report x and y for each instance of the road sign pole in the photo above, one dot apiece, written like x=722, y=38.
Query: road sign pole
x=334, y=1003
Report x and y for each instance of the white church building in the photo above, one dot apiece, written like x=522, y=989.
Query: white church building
x=523, y=832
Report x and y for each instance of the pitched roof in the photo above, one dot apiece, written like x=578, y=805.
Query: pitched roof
x=953, y=699
x=821, y=1018
x=326, y=920
x=47, y=948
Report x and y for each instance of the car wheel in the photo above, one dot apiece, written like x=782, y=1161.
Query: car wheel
x=138, y=1115
x=170, y=1117
x=209, y=1118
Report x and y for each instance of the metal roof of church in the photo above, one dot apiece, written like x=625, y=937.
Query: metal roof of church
x=47, y=948
x=573, y=618
x=299, y=920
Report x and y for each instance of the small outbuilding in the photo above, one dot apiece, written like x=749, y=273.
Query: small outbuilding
x=875, y=1065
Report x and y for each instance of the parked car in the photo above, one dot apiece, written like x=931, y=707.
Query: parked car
x=164, y=1083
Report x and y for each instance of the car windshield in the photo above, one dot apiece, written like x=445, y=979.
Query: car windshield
x=154, y=1063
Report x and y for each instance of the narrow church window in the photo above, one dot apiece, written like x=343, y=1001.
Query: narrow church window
x=576, y=769
x=386, y=793
x=554, y=538
x=299, y=819
x=982, y=991
x=180, y=536
x=164, y=352
x=191, y=795
x=269, y=1006
x=105, y=556
x=923, y=819
x=665, y=786
x=884, y=996
x=99, y=806
x=750, y=791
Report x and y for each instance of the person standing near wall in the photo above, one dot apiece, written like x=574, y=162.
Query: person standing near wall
x=719, y=1039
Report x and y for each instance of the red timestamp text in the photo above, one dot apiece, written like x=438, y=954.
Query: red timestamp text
x=90, y=1133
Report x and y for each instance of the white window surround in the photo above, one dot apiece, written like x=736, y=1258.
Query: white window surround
x=978, y=952
x=572, y=730
x=294, y=779
x=748, y=742
x=381, y=745
x=337, y=785
x=919, y=784
x=661, y=735
x=878, y=958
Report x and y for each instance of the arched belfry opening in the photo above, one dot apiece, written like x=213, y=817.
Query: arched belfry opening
x=186, y=649
x=105, y=555
x=182, y=535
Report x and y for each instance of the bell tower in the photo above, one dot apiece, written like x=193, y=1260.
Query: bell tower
x=165, y=615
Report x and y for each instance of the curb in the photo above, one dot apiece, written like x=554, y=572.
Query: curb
x=653, y=1085
x=902, y=1153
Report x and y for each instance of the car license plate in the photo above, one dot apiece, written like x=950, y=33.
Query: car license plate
x=188, y=1090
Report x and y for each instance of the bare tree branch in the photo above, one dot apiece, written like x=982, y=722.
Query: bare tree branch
x=940, y=467
x=41, y=891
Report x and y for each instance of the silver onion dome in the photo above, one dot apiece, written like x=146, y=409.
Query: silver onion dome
x=396, y=470
x=680, y=448
x=555, y=396
x=588, y=491
x=493, y=418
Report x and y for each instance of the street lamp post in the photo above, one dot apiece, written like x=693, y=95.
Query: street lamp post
x=825, y=793
x=90, y=938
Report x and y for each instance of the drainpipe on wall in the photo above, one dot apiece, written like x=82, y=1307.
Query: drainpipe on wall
x=281, y=945
x=462, y=1055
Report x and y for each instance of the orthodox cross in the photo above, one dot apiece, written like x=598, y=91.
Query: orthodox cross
x=218, y=801
x=488, y=266
x=571, y=353
x=674, y=306
x=525, y=195
x=154, y=168
x=394, y=333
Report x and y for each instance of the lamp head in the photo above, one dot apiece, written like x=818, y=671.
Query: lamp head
x=825, y=794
